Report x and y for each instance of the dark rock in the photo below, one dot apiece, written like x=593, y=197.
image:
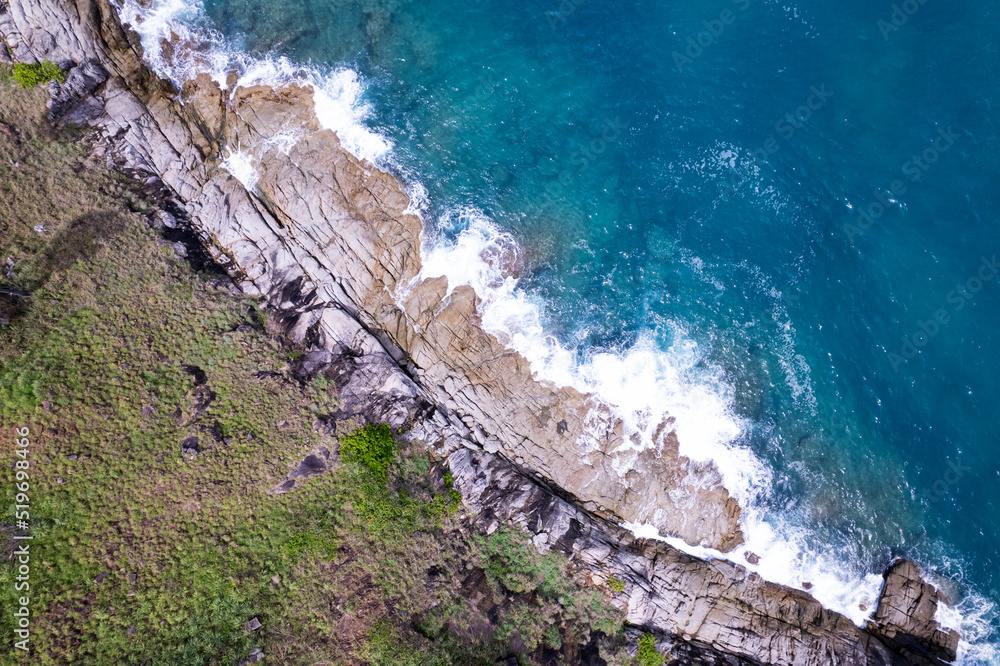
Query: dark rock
x=752, y=558
x=283, y=488
x=199, y=375
x=189, y=446
x=312, y=363
x=89, y=110
x=101, y=576
x=311, y=465
x=80, y=82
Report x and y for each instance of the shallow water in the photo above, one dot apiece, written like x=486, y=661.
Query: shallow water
x=686, y=183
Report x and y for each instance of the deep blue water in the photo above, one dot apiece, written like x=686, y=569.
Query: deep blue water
x=710, y=193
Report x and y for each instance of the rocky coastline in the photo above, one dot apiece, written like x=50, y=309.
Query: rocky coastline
x=327, y=240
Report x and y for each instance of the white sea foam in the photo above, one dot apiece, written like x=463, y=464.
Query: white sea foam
x=972, y=619
x=176, y=22
x=244, y=162
x=786, y=559
x=339, y=101
x=243, y=167
x=642, y=382
x=338, y=93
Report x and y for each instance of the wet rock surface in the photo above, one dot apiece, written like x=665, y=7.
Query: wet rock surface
x=326, y=238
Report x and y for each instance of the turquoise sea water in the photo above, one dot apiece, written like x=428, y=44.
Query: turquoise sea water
x=781, y=217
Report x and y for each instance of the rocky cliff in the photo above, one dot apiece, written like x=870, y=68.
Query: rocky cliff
x=326, y=238
x=335, y=227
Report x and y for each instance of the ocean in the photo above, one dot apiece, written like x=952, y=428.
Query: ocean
x=777, y=222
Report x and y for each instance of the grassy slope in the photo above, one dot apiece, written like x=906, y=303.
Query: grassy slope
x=120, y=352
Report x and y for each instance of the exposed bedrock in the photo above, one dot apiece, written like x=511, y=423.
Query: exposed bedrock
x=326, y=238
x=336, y=227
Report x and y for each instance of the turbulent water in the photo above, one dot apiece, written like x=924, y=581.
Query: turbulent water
x=776, y=222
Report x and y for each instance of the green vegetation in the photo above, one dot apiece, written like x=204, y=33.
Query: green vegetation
x=29, y=75
x=371, y=447
x=513, y=565
x=449, y=500
x=648, y=654
x=511, y=562
x=323, y=543
x=113, y=351
x=617, y=585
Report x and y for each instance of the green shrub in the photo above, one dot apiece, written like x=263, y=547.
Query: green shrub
x=29, y=75
x=448, y=501
x=617, y=585
x=511, y=561
x=371, y=447
x=507, y=560
x=648, y=654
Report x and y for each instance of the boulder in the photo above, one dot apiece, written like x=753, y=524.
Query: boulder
x=905, y=613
